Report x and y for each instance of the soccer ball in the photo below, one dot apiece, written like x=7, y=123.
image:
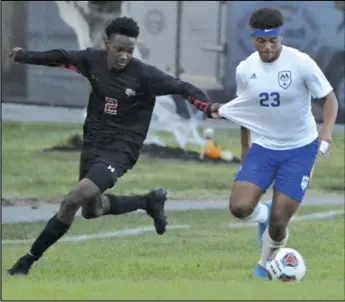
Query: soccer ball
x=286, y=264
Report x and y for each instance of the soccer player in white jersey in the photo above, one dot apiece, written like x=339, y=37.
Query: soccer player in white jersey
x=273, y=105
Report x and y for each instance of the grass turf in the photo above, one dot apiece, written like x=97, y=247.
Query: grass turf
x=209, y=260
x=30, y=172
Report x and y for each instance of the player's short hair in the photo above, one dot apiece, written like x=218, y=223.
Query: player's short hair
x=123, y=26
x=266, y=18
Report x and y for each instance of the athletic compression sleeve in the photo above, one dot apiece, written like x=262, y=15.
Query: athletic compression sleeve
x=75, y=60
x=161, y=83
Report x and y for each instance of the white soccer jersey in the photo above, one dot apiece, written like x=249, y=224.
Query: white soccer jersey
x=274, y=99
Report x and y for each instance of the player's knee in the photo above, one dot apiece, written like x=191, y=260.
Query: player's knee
x=240, y=208
x=75, y=200
x=241, y=211
x=88, y=213
x=243, y=199
x=69, y=206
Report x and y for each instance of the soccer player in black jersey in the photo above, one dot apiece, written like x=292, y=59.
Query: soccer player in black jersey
x=118, y=117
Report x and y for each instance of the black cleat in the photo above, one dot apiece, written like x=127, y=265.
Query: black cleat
x=155, y=209
x=22, y=266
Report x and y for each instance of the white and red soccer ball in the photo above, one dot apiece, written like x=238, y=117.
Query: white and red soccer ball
x=286, y=264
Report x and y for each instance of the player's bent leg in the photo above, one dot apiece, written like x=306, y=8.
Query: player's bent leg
x=262, y=226
x=245, y=205
x=276, y=236
x=85, y=191
x=57, y=226
x=153, y=203
x=94, y=208
x=255, y=176
x=292, y=181
x=109, y=204
x=244, y=199
x=283, y=208
x=104, y=176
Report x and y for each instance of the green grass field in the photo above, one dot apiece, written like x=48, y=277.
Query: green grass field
x=30, y=172
x=209, y=260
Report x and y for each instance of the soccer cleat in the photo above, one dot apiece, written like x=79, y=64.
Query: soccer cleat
x=22, y=266
x=260, y=272
x=155, y=209
x=263, y=226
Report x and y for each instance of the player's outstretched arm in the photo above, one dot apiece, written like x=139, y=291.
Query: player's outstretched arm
x=54, y=58
x=210, y=109
x=161, y=83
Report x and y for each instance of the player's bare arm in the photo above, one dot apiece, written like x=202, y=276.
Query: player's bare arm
x=330, y=110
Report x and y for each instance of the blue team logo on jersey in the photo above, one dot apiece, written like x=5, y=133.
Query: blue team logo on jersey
x=284, y=79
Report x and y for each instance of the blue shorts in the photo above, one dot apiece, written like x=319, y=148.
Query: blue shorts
x=290, y=169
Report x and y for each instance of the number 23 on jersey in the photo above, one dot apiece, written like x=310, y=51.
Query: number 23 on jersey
x=269, y=99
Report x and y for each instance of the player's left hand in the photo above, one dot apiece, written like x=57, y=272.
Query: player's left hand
x=13, y=52
x=325, y=144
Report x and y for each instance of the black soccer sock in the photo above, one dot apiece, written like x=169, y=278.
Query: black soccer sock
x=52, y=232
x=125, y=204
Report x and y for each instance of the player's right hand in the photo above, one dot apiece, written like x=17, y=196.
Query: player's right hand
x=215, y=111
x=13, y=53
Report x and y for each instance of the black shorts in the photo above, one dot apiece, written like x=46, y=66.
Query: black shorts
x=103, y=168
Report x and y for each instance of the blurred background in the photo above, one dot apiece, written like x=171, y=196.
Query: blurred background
x=199, y=41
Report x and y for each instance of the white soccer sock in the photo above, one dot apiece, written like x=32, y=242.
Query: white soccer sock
x=269, y=245
x=260, y=214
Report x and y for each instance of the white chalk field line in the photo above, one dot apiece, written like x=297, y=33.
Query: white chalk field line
x=122, y=233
